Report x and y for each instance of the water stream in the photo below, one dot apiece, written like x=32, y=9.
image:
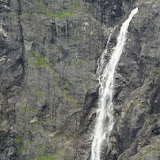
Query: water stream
x=105, y=119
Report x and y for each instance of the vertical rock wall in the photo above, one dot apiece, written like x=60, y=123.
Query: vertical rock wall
x=49, y=52
x=49, y=88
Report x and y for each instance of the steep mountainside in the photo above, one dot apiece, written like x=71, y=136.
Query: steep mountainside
x=49, y=88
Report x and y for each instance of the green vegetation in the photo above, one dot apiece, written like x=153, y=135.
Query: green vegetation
x=23, y=103
x=18, y=140
x=33, y=53
x=53, y=72
x=155, y=0
x=147, y=107
x=50, y=157
x=140, y=105
x=38, y=122
x=40, y=59
x=151, y=0
x=44, y=157
x=66, y=91
x=40, y=62
x=147, y=151
x=80, y=63
x=19, y=143
x=30, y=142
x=62, y=85
x=67, y=136
x=157, y=68
x=62, y=14
x=69, y=97
x=38, y=92
x=29, y=110
x=40, y=149
x=34, y=130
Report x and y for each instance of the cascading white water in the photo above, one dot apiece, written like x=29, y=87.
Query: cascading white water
x=105, y=119
x=1, y=28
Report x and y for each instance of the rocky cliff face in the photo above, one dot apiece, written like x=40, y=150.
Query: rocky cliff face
x=49, y=88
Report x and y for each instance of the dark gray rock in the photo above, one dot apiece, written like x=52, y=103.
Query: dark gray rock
x=49, y=87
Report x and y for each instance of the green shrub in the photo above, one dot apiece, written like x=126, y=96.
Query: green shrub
x=38, y=92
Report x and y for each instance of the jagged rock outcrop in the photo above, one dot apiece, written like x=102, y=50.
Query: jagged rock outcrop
x=49, y=87
x=137, y=129
x=48, y=61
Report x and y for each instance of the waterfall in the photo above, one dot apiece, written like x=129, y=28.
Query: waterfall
x=1, y=27
x=105, y=119
x=101, y=60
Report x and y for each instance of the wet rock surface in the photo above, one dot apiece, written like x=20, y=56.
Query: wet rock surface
x=49, y=87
